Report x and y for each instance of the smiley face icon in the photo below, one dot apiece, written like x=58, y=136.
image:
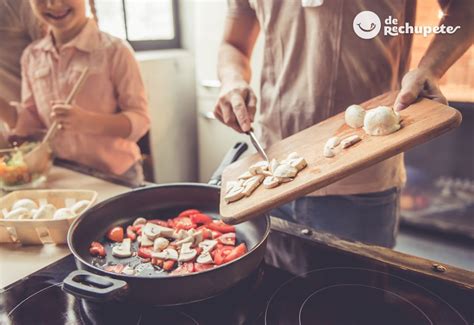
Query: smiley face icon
x=366, y=24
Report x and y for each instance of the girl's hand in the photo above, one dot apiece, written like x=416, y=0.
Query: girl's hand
x=72, y=118
x=418, y=83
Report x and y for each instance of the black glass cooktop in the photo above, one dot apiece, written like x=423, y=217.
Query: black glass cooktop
x=301, y=282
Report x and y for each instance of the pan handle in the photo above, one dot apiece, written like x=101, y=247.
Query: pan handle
x=232, y=155
x=90, y=286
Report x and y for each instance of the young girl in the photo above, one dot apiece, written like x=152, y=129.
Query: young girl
x=110, y=111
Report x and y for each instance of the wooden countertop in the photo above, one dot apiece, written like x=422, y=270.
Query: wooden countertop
x=18, y=261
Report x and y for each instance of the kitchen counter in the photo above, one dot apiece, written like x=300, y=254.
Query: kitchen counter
x=18, y=261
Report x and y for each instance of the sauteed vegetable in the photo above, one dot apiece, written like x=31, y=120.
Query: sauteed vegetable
x=191, y=242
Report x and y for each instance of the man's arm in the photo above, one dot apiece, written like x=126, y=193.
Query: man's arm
x=237, y=102
x=442, y=52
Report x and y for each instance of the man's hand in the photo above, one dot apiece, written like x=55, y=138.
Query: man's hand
x=236, y=106
x=418, y=83
x=72, y=117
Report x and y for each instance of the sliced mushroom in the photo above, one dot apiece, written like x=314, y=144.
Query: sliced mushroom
x=20, y=213
x=273, y=165
x=298, y=163
x=286, y=171
x=285, y=179
x=145, y=241
x=292, y=156
x=259, y=167
x=271, y=182
x=245, y=175
x=160, y=244
x=25, y=203
x=208, y=245
x=124, y=249
x=187, y=253
x=186, y=240
x=235, y=194
x=152, y=231
x=166, y=254
x=179, y=234
x=251, y=184
x=44, y=212
x=328, y=152
x=205, y=258
x=63, y=213
x=333, y=142
x=198, y=237
x=232, y=184
x=349, y=141
x=80, y=206
x=139, y=221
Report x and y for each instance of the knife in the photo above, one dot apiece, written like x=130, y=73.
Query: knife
x=257, y=145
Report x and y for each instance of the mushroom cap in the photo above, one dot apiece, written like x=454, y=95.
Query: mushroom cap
x=63, y=213
x=25, y=203
x=354, y=116
x=80, y=206
x=45, y=212
x=19, y=213
x=381, y=120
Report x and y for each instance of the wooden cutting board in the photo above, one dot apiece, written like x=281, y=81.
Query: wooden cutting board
x=421, y=122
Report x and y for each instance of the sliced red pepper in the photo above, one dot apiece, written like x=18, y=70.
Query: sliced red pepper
x=168, y=265
x=220, y=226
x=97, y=249
x=201, y=218
x=184, y=223
x=227, y=239
x=236, y=253
x=185, y=268
x=187, y=213
x=159, y=222
x=144, y=252
x=198, y=267
x=215, y=234
x=115, y=234
x=131, y=234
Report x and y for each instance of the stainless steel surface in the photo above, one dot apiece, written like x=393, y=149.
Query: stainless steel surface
x=257, y=145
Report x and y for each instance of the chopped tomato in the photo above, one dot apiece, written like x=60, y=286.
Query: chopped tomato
x=198, y=267
x=168, y=265
x=221, y=253
x=227, y=239
x=215, y=234
x=159, y=222
x=200, y=218
x=144, y=252
x=138, y=229
x=131, y=234
x=97, y=249
x=115, y=234
x=184, y=223
x=185, y=268
x=236, y=253
x=187, y=213
x=206, y=233
x=220, y=226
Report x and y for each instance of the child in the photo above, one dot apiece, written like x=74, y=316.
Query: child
x=110, y=111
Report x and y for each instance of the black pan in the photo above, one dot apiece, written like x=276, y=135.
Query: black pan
x=160, y=202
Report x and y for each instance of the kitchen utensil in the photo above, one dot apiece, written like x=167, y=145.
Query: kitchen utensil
x=421, y=122
x=257, y=145
x=163, y=201
x=28, y=231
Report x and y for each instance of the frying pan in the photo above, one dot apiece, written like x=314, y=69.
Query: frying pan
x=159, y=202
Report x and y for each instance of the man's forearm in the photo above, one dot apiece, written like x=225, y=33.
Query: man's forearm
x=114, y=125
x=233, y=65
x=445, y=49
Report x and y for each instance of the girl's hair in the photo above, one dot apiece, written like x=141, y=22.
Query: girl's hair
x=93, y=10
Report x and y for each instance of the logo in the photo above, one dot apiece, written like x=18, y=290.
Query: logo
x=367, y=24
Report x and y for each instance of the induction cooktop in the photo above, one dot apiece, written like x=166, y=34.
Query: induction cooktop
x=302, y=281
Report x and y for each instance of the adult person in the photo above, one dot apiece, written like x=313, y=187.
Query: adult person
x=18, y=28
x=314, y=67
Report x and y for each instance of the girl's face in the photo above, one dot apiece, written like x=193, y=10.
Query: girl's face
x=60, y=14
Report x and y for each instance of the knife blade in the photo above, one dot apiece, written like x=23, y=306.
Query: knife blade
x=257, y=145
